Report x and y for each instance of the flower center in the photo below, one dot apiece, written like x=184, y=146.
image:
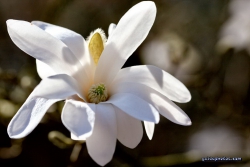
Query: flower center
x=98, y=93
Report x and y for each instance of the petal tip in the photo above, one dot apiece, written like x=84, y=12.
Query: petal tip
x=9, y=131
x=10, y=134
x=132, y=146
x=186, y=99
x=157, y=118
x=13, y=136
x=148, y=3
x=100, y=160
x=188, y=123
x=189, y=97
x=10, y=21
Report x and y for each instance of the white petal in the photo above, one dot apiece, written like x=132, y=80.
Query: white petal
x=111, y=28
x=129, y=129
x=28, y=116
x=73, y=40
x=78, y=117
x=40, y=45
x=46, y=48
x=58, y=86
x=101, y=144
x=74, y=137
x=157, y=79
x=43, y=69
x=135, y=107
x=165, y=106
x=49, y=91
x=129, y=33
x=149, y=127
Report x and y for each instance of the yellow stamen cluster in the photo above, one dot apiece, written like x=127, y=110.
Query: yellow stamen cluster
x=98, y=93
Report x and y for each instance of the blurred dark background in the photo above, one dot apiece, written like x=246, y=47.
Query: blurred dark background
x=203, y=43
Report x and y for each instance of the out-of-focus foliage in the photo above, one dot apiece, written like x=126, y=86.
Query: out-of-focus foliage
x=205, y=44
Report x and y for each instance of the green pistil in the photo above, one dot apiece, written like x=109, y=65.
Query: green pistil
x=99, y=90
x=97, y=93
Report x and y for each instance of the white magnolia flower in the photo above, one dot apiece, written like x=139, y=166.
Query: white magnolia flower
x=103, y=101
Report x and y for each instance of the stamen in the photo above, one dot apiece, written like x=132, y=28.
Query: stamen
x=98, y=93
x=96, y=43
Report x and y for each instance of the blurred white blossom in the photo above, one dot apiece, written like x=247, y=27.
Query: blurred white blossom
x=216, y=140
x=236, y=30
x=171, y=53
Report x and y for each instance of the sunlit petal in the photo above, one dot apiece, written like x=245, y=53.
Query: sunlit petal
x=149, y=127
x=28, y=116
x=165, y=106
x=157, y=79
x=42, y=46
x=43, y=69
x=135, y=107
x=101, y=144
x=73, y=40
x=58, y=86
x=129, y=33
x=129, y=129
x=79, y=118
x=111, y=28
x=34, y=108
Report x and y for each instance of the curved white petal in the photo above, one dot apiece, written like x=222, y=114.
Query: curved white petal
x=42, y=46
x=134, y=106
x=78, y=117
x=73, y=40
x=28, y=116
x=157, y=79
x=129, y=129
x=58, y=86
x=165, y=106
x=49, y=91
x=149, y=127
x=101, y=144
x=129, y=33
x=43, y=69
x=46, y=48
x=111, y=28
